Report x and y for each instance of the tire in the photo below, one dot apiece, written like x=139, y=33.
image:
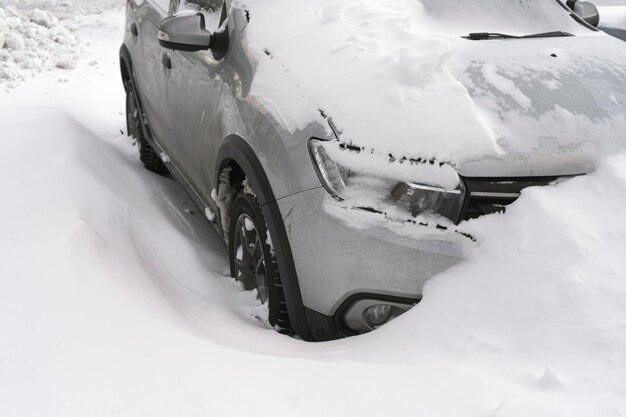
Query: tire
x=151, y=160
x=256, y=267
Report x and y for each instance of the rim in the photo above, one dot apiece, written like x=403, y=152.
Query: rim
x=133, y=116
x=250, y=264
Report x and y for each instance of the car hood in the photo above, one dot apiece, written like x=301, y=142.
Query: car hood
x=396, y=81
x=555, y=107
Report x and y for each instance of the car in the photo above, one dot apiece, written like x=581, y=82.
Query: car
x=340, y=148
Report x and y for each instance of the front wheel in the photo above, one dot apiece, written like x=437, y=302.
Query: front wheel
x=253, y=259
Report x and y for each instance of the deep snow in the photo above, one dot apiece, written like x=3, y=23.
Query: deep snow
x=115, y=301
x=39, y=35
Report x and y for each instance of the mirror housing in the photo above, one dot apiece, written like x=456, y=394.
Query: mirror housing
x=588, y=12
x=185, y=32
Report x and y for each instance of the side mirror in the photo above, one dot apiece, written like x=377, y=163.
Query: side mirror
x=185, y=32
x=588, y=12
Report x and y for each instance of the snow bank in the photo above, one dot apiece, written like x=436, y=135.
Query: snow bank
x=39, y=35
x=537, y=314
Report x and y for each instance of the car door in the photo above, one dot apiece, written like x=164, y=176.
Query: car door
x=145, y=19
x=194, y=85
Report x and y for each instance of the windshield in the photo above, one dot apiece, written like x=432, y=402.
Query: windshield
x=517, y=17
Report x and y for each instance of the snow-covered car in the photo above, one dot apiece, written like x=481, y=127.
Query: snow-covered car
x=340, y=147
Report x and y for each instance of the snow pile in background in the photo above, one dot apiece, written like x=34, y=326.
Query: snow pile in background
x=40, y=34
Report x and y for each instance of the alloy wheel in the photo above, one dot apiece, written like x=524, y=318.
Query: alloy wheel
x=250, y=264
x=133, y=116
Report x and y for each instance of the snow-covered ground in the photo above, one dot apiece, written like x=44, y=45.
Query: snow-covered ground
x=115, y=300
x=38, y=35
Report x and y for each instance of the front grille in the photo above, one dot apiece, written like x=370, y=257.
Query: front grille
x=492, y=195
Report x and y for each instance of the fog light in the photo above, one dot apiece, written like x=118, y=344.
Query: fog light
x=367, y=314
x=378, y=315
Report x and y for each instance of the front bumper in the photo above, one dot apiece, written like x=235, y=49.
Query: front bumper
x=344, y=255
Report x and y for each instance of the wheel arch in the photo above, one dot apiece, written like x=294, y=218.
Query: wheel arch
x=235, y=153
x=126, y=66
x=126, y=71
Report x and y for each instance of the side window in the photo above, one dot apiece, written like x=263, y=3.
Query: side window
x=213, y=10
x=163, y=4
x=209, y=5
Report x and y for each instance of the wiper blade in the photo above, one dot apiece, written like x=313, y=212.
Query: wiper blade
x=557, y=34
x=480, y=36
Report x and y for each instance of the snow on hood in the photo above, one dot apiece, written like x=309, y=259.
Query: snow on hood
x=396, y=76
x=555, y=107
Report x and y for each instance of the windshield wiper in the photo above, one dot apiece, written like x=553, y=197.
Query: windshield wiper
x=481, y=36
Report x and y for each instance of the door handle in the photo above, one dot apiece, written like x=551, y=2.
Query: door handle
x=134, y=30
x=166, y=61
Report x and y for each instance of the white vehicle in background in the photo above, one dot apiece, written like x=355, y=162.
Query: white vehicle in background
x=613, y=18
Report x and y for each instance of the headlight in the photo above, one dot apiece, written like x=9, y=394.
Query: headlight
x=372, y=182
x=418, y=198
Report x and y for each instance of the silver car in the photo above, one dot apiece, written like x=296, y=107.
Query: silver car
x=277, y=196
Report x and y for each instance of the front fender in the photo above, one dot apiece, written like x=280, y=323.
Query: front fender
x=236, y=149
